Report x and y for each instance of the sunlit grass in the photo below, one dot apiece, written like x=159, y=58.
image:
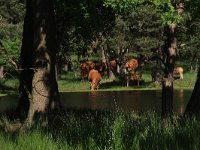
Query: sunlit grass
x=71, y=82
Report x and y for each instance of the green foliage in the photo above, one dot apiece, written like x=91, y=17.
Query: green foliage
x=12, y=46
x=118, y=37
x=123, y=4
x=189, y=33
x=11, y=26
x=146, y=30
x=12, y=11
x=82, y=22
x=164, y=7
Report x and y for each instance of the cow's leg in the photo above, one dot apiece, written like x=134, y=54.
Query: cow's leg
x=181, y=76
x=90, y=84
x=127, y=83
x=97, y=86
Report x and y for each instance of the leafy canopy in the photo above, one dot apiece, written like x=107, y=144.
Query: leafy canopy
x=165, y=7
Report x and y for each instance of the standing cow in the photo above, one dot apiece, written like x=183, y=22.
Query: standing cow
x=94, y=78
x=178, y=70
x=131, y=65
x=128, y=70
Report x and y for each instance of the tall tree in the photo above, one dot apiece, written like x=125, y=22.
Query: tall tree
x=170, y=50
x=38, y=86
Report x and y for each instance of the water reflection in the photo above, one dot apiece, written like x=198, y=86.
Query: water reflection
x=181, y=98
x=128, y=101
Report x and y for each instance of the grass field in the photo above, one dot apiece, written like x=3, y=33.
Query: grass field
x=96, y=130
x=71, y=82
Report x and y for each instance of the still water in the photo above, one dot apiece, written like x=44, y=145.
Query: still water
x=128, y=101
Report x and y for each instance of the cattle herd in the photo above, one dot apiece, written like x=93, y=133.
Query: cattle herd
x=94, y=70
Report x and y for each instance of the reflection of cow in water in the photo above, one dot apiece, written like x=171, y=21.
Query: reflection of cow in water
x=178, y=70
x=94, y=78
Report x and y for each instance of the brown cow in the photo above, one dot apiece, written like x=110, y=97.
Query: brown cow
x=130, y=65
x=94, y=78
x=101, y=67
x=178, y=70
x=129, y=69
x=136, y=77
x=133, y=77
x=85, y=67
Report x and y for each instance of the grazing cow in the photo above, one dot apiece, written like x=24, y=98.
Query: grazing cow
x=178, y=70
x=85, y=67
x=94, y=78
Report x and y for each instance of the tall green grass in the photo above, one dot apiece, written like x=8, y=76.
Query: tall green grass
x=98, y=130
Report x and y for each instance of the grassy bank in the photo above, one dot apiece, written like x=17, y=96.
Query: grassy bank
x=96, y=130
x=70, y=82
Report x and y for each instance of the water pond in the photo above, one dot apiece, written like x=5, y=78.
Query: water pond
x=128, y=101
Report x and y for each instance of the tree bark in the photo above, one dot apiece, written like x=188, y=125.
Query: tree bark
x=167, y=85
x=1, y=71
x=109, y=70
x=38, y=86
x=170, y=51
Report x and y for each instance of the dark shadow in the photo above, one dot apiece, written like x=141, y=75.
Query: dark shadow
x=5, y=88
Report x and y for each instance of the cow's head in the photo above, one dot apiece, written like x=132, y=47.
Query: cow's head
x=125, y=69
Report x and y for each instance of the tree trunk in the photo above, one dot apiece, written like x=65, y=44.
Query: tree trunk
x=1, y=71
x=167, y=85
x=109, y=70
x=58, y=66
x=38, y=86
x=193, y=106
x=170, y=51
